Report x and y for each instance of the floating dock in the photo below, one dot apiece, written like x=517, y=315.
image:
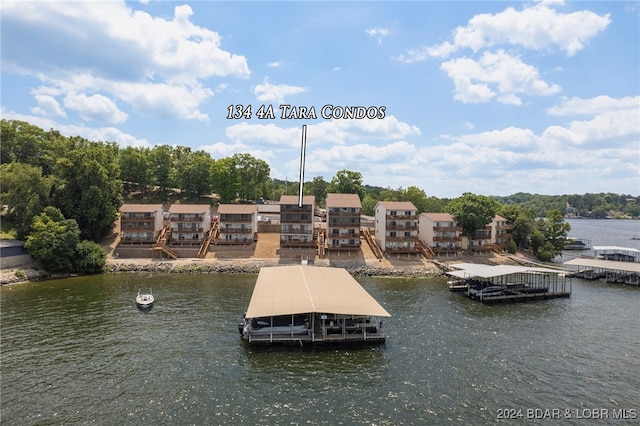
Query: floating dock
x=505, y=283
x=611, y=271
x=616, y=253
x=577, y=244
x=311, y=305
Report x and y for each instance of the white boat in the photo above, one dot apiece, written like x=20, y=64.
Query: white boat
x=144, y=299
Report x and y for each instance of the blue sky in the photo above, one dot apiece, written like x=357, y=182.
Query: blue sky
x=492, y=98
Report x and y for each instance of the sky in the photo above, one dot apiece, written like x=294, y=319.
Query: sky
x=492, y=98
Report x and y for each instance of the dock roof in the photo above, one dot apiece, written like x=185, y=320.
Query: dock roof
x=467, y=270
x=616, y=249
x=299, y=289
x=613, y=265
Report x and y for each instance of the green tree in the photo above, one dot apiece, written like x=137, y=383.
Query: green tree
x=135, y=168
x=224, y=179
x=161, y=165
x=196, y=173
x=347, y=182
x=473, y=212
x=88, y=188
x=21, y=142
x=388, y=194
x=53, y=240
x=557, y=231
x=418, y=197
x=599, y=212
x=549, y=236
x=522, y=221
x=253, y=175
x=26, y=192
x=368, y=205
x=89, y=258
x=318, y=188
x=435, y=205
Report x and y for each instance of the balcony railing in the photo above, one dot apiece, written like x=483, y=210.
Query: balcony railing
x=235, y=218
x=402, y=238
x=446, y=229
x=339, y=224
x=402, y=217
x=178, y=219
x=412, y=227
x=187, y=230
x=332, y=213
x=236, y=230
x=445, y=239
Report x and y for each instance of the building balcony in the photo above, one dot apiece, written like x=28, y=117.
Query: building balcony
x=187, y=230
x=343, y=236
x=235, y=218
x=401, y=250
x=137, y=227
x=289, y=219
x=504, y=227
x=296, y=242
x=402, y=217
x=332, y=213
x=445, y=249
x=354, y=246
x=402, y=238
x=336, y=224
x=186, y=219
x=136, y=219
x=398, y=227
x=236, y=230
x=447, y=239
x=446, y=229
x=288, y=208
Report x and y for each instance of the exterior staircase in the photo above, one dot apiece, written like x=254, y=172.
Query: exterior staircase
x=372, y=243
x=204, y=248
x=425, y=250
x=321, y=244
x=497, y=249
x=161, y=243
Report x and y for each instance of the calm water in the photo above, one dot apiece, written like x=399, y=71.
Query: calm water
x=611, y=232
x=78, y=351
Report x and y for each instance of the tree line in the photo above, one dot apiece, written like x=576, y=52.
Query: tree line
x=87, y=182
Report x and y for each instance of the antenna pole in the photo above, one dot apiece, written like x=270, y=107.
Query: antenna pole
x=303, y=150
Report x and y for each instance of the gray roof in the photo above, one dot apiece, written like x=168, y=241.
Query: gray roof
x=605, y=264
x=470, y=270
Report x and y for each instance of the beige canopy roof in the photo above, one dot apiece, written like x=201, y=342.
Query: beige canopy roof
x=298, y=289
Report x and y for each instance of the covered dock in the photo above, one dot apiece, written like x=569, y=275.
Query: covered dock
x=616, y=253
x=506, y=283
x=311, y=304
x=611, y=271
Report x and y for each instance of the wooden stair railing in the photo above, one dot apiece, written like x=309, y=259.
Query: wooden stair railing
x=372, y=243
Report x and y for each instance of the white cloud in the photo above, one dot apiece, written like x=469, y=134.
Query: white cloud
x=599, y=104
x=275, y=64
x=611, y=119
x=617, y=127
x=267, y=92
x=495, y=75
x=95, y=107
x=122, y=48
x=538, y=27
x=105, y=134
x=378, y=33
x=48, y=106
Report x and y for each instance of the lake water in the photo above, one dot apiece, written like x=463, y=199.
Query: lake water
x=78, y=351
